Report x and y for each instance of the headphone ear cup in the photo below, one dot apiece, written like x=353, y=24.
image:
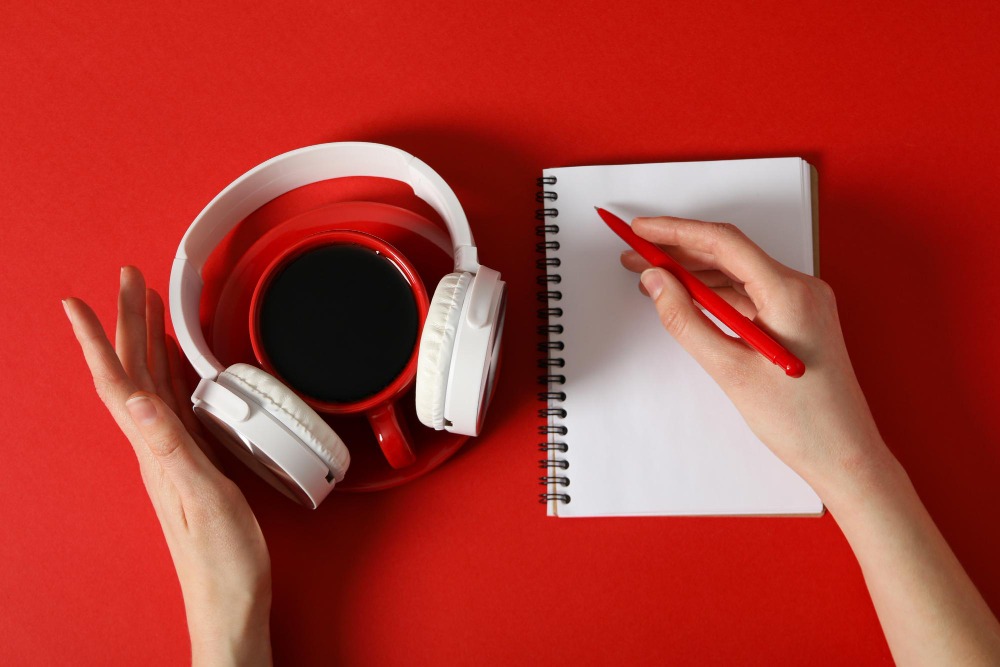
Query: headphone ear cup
x=293, y=413
x=437, y=346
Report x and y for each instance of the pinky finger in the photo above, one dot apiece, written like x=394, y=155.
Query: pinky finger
x=716, y=279
x=182, y=395
x=734, y=295
x=737, y=299
x=180, y=388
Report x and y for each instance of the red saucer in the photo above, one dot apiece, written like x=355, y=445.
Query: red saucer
x=233, y=272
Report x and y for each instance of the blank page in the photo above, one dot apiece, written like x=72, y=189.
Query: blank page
x=648, y=431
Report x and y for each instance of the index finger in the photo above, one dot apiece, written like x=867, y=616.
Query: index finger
x=732, y=251
x=113, y=384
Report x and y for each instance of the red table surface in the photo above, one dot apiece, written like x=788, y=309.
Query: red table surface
x=119, y=122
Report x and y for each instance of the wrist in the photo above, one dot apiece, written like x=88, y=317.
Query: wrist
x=236, y=644
x=868, y=477
x=231, y=633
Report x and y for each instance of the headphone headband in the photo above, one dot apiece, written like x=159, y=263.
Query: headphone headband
x=275, y=177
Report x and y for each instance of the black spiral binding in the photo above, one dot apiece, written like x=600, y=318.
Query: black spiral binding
x=555, y=480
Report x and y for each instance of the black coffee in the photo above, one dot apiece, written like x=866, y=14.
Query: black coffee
x=339, y=323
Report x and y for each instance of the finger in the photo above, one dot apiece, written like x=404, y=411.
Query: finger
x=113, y=384
x=717, y=352
x=714, y=278
x=156, y=349
x=740, y=302
x=734, y=295
x=179, y=387
x=182, y=395
x=720, y=279
x=130, y=336
x=692, y=260
x=696, y=262
x=181, y=460
x=732, y=251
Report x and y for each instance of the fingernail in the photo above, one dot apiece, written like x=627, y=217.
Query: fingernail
x=652, y=281
x=121, y=275
x=65, y=303
x=141, y=409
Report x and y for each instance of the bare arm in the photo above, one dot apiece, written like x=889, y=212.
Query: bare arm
x=821, y=426
x=930, y=610
x=214, y=540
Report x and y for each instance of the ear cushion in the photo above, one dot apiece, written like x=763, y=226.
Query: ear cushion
x=293, y=413
x=437, y=343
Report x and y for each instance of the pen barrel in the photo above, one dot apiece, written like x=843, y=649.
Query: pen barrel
x=741, y=325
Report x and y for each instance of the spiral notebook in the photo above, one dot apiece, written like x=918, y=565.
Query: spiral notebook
x=634, y=425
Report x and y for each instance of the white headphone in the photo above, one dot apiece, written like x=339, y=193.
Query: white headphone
x=266, y=424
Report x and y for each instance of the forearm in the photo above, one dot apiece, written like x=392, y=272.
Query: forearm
x=929, y=609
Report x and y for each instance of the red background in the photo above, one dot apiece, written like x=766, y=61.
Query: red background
x=119, y=122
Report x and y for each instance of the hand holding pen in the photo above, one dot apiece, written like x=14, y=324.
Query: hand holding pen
x=820, y=425
x=813, y=423
x=710, y=300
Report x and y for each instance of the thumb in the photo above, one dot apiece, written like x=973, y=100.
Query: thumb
x=170, y=443
x=703, y=340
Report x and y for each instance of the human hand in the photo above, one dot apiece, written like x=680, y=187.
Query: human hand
x=214, y=540
x=819, y=424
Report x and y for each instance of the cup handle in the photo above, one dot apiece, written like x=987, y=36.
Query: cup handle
x=392, y=435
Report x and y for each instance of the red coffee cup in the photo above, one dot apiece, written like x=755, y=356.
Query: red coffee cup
x=317, y=270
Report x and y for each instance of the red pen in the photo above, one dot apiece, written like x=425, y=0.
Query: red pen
x=712, y=302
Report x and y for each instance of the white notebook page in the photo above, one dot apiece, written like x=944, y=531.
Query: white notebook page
x=648, y=431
